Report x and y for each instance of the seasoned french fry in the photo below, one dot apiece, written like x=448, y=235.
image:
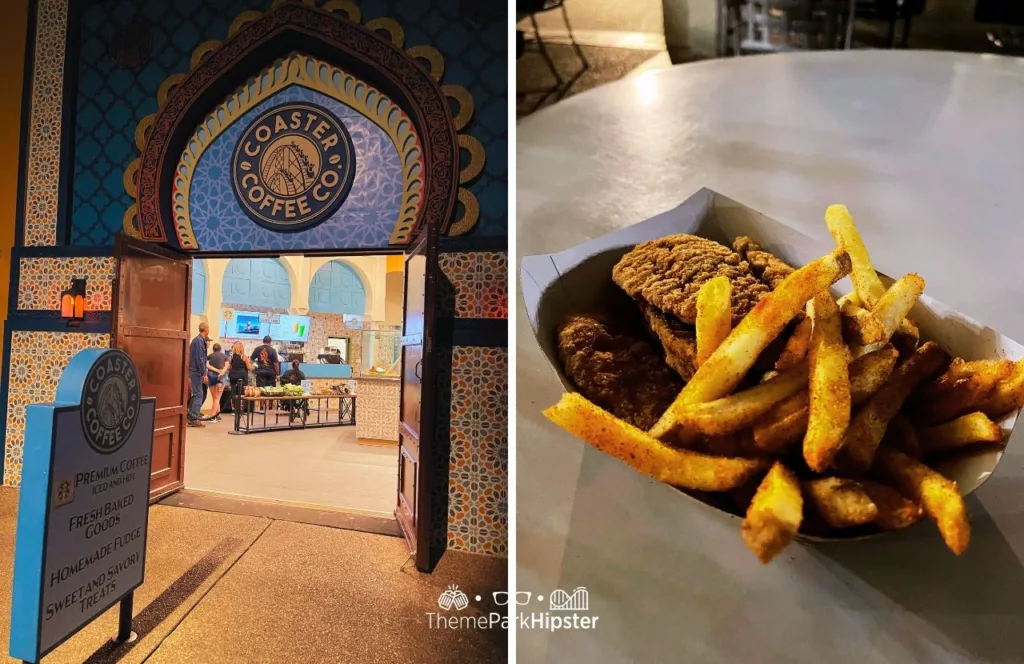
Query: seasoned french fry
x=787, y=421
x=865, y=281
x=829, y=388
x=774, y=515
x=894, y=305
x=901, y=435
x=740, y=410
x=939, y=496
x=714, y=316
x=907, y=338
x=681, y=468
x=868, y=426
x=859, y=325
x=839, y=502
x=1008, y=395
x=894, y=511
x=964, y=388
x=963, y=431
x=734, y=357
x=796, y=345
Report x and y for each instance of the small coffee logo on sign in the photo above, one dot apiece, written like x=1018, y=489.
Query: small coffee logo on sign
x=110, y=402
x=293, y=167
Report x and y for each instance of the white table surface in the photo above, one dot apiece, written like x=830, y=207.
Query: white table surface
x=927, y=151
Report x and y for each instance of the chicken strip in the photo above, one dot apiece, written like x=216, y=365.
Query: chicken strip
x=667, y=273
x=764, y=264
x=616, y=369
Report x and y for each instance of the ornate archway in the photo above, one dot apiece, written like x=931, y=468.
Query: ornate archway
x=327, y=51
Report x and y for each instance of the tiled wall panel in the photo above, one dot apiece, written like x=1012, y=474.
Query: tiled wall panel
x=478, y=478
x=377, y=408
x=480, y=282
x=37, y=362
x=43, y=279
x=42, y=181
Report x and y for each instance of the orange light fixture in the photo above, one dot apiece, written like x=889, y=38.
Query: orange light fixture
x=72, y=303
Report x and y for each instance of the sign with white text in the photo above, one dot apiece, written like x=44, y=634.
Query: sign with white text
x=84, y=502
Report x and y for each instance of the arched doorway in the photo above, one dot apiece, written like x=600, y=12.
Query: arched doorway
x=215, y=179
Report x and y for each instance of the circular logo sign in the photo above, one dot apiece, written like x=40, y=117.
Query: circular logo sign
x=293, y=167
x=110, y=402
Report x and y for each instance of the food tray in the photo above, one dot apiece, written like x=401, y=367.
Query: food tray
x=580, y=279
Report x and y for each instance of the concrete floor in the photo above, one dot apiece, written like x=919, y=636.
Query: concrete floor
x=321, y=467
x=233, y=589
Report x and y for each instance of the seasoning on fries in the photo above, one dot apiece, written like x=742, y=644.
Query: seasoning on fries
x=728, y=395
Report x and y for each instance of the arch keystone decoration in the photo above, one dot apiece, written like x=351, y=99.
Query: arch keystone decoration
x=327, y=50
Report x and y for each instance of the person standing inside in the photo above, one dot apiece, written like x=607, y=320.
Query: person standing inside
x=197, y=376
x=216, y=367
x=268, y=366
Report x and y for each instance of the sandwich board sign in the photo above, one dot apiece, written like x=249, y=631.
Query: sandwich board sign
x=83, y=507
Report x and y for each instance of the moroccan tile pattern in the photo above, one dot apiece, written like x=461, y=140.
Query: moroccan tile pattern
x=37, y=362
x=43, y=279
x=478, y=478
x=480, y=282
x=111, y=101
x=41, y=183
x=377, y=408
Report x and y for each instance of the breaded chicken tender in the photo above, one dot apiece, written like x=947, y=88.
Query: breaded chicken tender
x=617, y=370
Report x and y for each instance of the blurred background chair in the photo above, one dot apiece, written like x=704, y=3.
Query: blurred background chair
x=767, y=26
x=891, y=11
x=533, y=7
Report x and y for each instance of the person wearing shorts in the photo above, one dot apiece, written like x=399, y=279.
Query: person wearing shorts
x=216, y=367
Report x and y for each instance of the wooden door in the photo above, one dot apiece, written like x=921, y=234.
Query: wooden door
x=417, y=399
x=151, y=311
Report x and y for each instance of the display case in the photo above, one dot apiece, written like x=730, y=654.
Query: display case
x=381, y=353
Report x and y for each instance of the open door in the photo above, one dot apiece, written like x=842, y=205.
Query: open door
x=417, y=398
x=151, y=311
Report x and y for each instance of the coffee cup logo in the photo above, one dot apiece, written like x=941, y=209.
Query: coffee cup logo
x=110, y=402
x=293, y=167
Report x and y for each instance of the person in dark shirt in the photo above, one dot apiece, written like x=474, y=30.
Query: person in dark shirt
x=293, y=376
x=216, y=367
x=268, y=366
x=197, y=377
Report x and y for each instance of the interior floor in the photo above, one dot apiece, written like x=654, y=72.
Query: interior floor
x=318, y=467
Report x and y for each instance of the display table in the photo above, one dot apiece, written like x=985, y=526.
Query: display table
x=251, y=413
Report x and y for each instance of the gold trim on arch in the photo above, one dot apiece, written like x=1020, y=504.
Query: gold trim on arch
x=470, y=213
x=329, y=80
x=350, y=9
x=461, y=95
x=432, y=56
x=476, y=158
x=390, y=26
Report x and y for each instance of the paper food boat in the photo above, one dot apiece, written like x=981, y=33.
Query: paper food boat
x=580, y=279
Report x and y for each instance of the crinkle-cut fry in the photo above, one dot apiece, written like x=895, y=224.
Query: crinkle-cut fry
x=774, y=515
x=714, y=316
x=970, y=429
x=784, y=424
x=859, y=325
x=869, y=424
x=895, y=511
x=733, y=358
x=894, y=305
x=964, y=388
x=681, y=468
x=1008, y=395
x=829, y=385
x=841, y=503
x=796, y=345
x=939, y=496
x=741, y=409
x=901, y=435
x=865, y=280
